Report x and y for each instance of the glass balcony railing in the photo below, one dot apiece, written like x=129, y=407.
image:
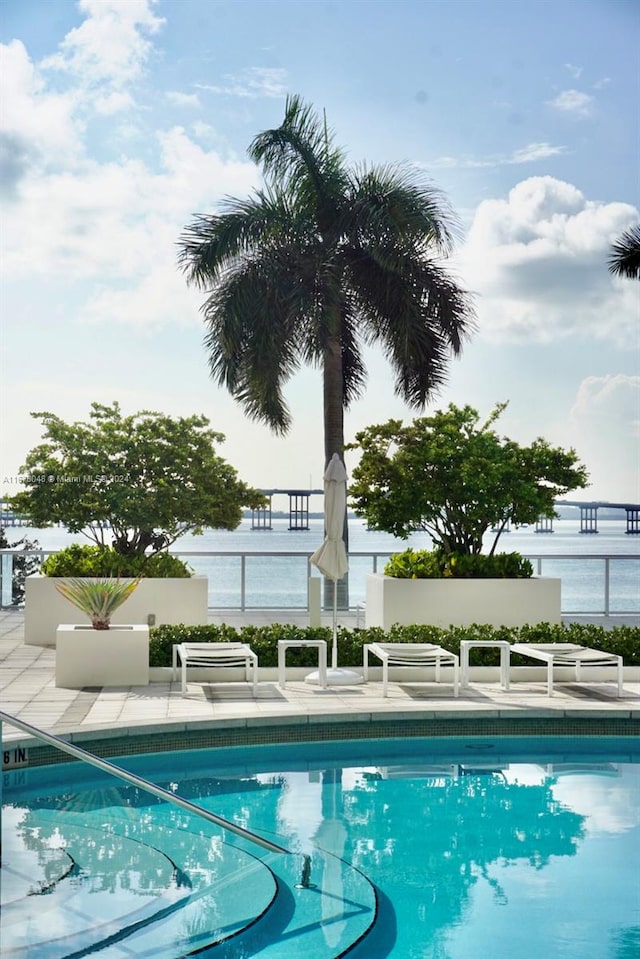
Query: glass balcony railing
x=598, y=584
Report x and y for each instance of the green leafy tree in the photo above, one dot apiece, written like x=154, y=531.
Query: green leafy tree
x=624, y=259
x=22, y=566
x=141, y=481
x=324, y=260
x=455, y=478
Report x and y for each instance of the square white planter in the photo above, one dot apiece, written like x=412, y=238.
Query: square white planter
x=102, y=657
x=171, y=600
x=461, y=602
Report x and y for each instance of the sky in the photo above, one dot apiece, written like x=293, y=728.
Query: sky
x=123, y=119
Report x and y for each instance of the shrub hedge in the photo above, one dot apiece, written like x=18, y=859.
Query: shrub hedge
x=621, y=640
x=81, y=559
x=436, y=564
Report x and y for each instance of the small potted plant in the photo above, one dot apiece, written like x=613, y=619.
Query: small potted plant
x=100, y=654
x=98, y=598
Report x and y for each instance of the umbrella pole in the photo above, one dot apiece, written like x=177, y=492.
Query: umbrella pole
x=334, y=647
x=335, y=676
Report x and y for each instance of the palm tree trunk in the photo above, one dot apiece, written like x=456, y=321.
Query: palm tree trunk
x=334, y=443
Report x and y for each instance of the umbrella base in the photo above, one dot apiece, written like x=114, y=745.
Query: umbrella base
x=336, y=677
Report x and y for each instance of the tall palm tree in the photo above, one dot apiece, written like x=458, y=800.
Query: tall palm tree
x=323, y=260
x=624, y=259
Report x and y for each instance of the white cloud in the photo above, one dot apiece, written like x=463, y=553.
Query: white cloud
x=157, y=298
x=204, y=131
x=536, y=151
x=573, y=101
x=576, y=72
x=183, y=99
x=156, y=293
x=538, y=262
x=114, y=102
x=109, y=46
x=252, y=83
x=112, y=226
x=117, y=224
x=43, y=127
x=602, y=396
x=605, y=427
x=37, y=124
x=530, y=153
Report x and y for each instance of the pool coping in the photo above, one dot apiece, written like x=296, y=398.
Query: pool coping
x=109, y=741
x=129, y=714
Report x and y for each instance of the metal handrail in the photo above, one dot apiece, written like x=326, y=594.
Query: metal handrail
x=105, y=766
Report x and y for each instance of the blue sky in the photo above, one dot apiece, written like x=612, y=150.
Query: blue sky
x=121, y=119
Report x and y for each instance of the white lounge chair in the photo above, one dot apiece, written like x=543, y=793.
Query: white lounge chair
x=410, y=654
x=214, y=655
x=569, y=654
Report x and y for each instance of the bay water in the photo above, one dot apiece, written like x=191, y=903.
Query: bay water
x=270, y=568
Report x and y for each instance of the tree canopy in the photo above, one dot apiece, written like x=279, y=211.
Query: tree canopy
x=325, y=259
x=456, y=479
x=141, y=480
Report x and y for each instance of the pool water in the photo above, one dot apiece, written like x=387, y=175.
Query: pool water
x=419, y=849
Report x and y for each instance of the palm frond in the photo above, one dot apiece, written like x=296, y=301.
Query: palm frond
x=415, y=312
x=210, y=243
x=396, y=201
x=354, y=372
x=300, y=157
x=625, y=254
x=256, y=330
x=300, y=146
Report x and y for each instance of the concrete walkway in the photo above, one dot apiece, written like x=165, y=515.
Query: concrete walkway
x=28, y=691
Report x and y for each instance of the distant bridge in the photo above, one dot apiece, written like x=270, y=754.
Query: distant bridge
x=9, y=518
x=589, y=514
x=299, y=512
x=298, y=508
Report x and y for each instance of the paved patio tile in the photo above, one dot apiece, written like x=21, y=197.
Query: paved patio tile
x=28, y=691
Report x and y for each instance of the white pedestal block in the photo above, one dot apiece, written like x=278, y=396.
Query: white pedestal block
x=102, y=657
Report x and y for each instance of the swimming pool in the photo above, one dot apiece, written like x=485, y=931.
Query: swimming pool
x=452, y=847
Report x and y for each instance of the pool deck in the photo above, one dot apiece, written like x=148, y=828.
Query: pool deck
x=28, y=692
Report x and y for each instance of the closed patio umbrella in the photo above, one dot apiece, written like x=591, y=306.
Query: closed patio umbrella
x=331, y=837
x=331, y=559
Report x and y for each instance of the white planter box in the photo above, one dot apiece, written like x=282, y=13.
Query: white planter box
x=461, y=602
x=168, y=600
x=102, y=657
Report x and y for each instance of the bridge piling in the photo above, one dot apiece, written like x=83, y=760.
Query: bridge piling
x=261, y=517
x=544, y=524
x=588, y=519
x=298, y=509
x=633, y=519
